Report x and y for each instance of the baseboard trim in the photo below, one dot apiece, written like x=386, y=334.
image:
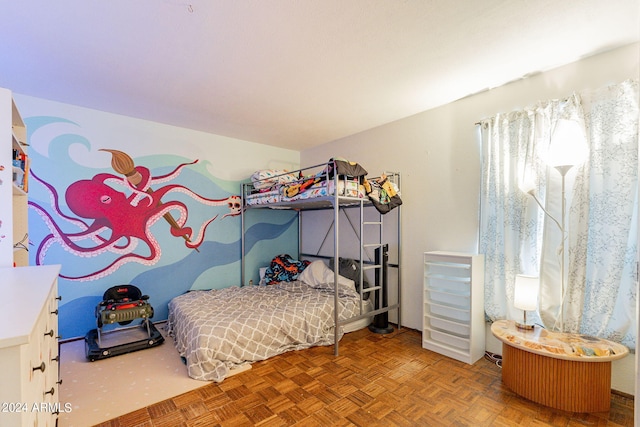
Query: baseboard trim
x=623, y=394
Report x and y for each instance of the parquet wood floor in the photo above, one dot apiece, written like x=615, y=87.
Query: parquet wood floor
x=377, y=380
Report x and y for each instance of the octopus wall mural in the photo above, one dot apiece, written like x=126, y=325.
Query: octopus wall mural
x=115, y=214
x=162, y=222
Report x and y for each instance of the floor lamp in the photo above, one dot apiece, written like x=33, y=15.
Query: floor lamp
x=567, y=149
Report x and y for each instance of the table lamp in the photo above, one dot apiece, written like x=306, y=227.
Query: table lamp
x=525, y=297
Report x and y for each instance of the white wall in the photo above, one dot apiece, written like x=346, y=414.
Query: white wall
x=438, y=154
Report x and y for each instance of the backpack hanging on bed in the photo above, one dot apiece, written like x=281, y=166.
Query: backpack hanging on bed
x=383, y=193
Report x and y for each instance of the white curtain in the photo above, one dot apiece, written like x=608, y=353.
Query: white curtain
x=517, y=237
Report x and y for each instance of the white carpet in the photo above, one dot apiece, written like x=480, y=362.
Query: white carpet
x=105, y=389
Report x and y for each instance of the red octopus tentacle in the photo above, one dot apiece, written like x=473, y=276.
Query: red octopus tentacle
x=171, y=175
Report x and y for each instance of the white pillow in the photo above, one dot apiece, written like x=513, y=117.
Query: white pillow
x=317, y=274
x=262, y=271
x=267, y=178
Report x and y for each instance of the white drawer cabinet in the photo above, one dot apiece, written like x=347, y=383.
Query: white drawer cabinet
x=29, y=363
x=453, y=305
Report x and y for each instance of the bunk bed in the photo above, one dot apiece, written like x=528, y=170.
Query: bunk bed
x=337, y=185
x=218, y=331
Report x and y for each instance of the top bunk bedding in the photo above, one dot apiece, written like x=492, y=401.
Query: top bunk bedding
x=320, y=184
x=275, y=186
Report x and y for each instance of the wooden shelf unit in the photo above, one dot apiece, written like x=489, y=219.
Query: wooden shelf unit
x=13, y=192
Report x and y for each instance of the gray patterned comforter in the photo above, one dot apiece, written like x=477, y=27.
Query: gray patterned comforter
x=219, y=330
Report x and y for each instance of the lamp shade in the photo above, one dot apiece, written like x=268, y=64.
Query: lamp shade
x=568, y=144
x=526, y=292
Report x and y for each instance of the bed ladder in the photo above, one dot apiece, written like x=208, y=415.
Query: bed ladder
x=365, y=227
x=372, y=226
x=376, y=245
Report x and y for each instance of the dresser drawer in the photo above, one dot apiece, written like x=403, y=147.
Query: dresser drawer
x=29, y=346
x=447, y=326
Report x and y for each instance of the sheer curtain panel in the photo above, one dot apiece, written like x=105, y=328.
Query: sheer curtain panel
x=601, y=233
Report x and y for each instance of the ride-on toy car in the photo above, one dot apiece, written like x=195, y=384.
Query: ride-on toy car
x=122, y=304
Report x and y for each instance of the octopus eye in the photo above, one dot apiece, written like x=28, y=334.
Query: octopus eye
x=236, y=205
x=105, y=199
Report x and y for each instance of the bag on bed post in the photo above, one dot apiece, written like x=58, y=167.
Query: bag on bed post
x=345, y=167
x=383, y=194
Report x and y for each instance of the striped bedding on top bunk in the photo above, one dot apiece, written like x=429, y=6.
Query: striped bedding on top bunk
x=275, y=186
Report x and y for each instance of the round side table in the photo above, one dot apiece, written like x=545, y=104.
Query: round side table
x=571, y=372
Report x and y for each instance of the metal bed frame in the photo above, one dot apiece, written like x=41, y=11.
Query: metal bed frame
x=338, y=203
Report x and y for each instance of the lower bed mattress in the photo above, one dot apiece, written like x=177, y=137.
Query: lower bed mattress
x=220, y=330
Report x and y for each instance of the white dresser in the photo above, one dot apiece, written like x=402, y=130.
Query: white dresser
x=453, y=305
x=29, y=363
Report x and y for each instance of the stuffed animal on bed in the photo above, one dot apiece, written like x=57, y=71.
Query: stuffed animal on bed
x=295, y=189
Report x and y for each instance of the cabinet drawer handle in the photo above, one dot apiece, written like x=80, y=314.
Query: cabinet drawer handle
x=50, y=333
x=51, y=392
x=42, y=367
x=59, y=382
x=59, y=298
x=55, y=312
x=56, y=359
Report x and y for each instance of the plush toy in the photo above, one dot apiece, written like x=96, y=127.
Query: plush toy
x=294, y=189
x=367, y=186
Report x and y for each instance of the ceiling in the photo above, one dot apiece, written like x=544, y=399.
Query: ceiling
x=292, y=73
